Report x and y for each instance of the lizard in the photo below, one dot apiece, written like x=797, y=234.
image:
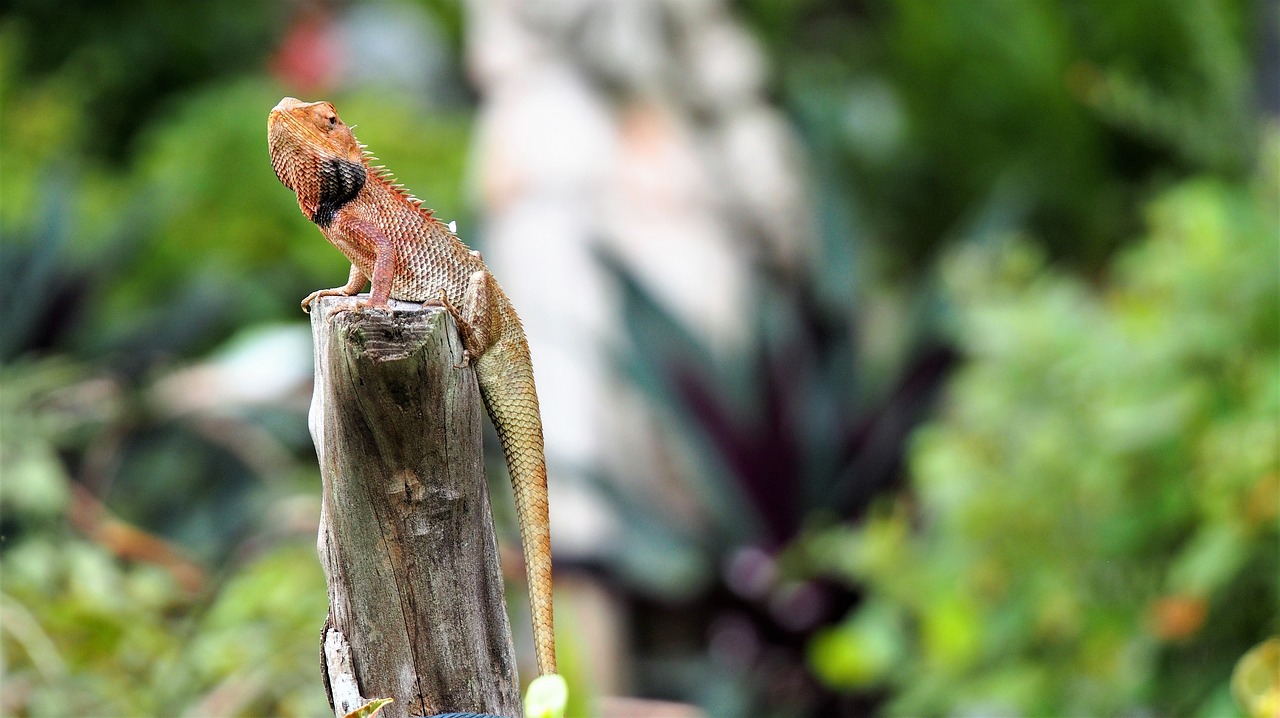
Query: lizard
x=403, y=252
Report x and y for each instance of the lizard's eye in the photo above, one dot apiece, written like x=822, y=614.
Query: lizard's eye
x=333, y=120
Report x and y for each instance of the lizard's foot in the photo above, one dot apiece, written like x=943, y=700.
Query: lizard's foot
x=312, y=297
x=373, y=304
x=442, y=300
x=464, y=328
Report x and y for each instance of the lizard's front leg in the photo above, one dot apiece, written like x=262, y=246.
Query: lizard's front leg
x=384, y=262
x=355, y=282
x=475, y=319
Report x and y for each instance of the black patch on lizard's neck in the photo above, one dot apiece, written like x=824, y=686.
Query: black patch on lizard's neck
x=340, y=182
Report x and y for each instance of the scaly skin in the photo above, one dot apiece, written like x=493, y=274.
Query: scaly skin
x=406, y=254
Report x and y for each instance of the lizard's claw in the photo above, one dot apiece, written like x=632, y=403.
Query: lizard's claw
x=312, y=297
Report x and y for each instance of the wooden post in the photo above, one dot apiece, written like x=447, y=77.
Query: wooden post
x=416, y=608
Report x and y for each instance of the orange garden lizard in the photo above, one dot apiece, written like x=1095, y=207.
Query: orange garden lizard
x=404, y=253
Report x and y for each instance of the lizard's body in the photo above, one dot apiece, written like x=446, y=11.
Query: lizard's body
x=405, y=253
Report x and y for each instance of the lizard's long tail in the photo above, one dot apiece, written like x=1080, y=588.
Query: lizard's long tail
x=506, y=383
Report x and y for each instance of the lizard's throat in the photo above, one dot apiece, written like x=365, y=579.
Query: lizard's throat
x=339, y=181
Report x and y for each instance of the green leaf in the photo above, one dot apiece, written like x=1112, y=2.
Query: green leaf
x=1255, y=683
x=370, y=709
x=547, y=697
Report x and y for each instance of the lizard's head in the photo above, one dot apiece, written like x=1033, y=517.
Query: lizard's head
x=314, y=153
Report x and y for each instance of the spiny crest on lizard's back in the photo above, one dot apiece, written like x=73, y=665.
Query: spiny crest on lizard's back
x=388, y=180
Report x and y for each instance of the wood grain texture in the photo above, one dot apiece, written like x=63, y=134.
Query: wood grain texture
x=406, y=533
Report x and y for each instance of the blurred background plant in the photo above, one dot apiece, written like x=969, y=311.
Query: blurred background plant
x=1092, y=525
x=1066, y=202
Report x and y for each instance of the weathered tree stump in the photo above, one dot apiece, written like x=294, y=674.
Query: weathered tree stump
x=416, y=607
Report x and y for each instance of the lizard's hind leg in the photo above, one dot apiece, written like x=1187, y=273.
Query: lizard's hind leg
x=475, y=317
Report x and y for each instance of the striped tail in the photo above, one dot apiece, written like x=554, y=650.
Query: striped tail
x=506, y=383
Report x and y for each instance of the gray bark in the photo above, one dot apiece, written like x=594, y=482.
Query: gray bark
x=416, y=607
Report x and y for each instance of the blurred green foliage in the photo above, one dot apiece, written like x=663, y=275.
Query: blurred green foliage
x=930, y=125
x=1094, y=522
x=83, y=631
x=1063, y=116
x=124, y=60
